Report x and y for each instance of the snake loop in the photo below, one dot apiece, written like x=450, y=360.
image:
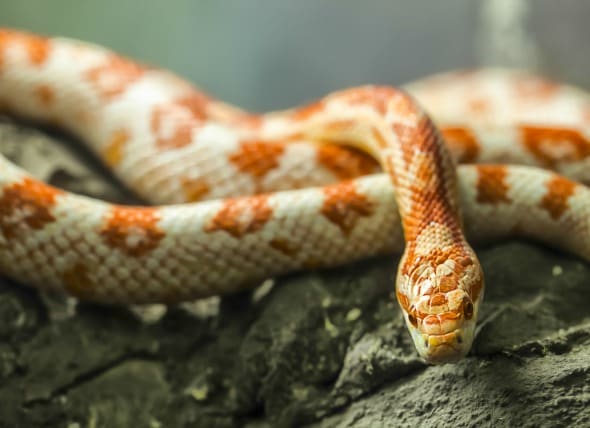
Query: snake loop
x=245, y=197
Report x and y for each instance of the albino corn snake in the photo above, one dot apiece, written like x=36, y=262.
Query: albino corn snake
x=174, y=145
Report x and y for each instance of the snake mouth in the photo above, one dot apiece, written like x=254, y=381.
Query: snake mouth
x=445, y=348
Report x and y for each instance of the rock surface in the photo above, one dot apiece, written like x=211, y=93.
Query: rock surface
x=325, y=349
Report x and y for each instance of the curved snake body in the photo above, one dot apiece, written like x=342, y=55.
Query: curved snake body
x=174, y=145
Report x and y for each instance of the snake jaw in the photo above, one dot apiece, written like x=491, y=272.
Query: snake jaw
x=445, y=347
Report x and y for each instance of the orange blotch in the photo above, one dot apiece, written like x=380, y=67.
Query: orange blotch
x=113, y=154
x=553, y=145
x=379, y=98
x=449, y=316
x=26, y=204
x=447, y=283
x=196, y=103
x=491, y=184
x=305, y=112
x=132, y=230
x=241, y=216
x=462, y=143
x=344, y=206
x=404, y=105
x=37, y=47
x=346, y=163
x=114, y=76
x=194, y=189
x=250, y=122
x=437, y=299
x=478, y=105
x=555, y=201
x=422, y=137
x=403, y=301
x=76, y=281
x=406, y=135
x=45, y=95
x=339, y=126
x=534, y=87
x=173, y=123
x=257, y=158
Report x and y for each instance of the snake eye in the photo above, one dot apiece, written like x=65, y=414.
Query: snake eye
x=413, y=320
x=467, y=308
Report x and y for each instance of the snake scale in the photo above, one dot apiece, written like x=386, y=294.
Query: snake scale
x=244, y=197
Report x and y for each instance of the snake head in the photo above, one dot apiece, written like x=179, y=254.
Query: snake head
x=440, y=298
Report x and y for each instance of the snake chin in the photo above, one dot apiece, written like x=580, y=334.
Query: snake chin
x=444, y=348
x=448, y=346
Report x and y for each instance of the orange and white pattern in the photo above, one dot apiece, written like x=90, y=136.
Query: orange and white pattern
x=254, y=196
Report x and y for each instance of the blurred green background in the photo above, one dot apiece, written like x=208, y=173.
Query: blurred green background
x=270, y=54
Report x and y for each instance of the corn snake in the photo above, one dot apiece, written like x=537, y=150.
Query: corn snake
x=174, y=145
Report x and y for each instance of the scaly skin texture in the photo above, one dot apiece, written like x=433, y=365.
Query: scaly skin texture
x=228, y=171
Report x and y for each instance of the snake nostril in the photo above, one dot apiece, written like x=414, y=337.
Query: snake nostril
x=459, y=339
x=426, y=344
x=412, y=320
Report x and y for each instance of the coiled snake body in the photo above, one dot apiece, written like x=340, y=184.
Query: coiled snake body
x=174, y=145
